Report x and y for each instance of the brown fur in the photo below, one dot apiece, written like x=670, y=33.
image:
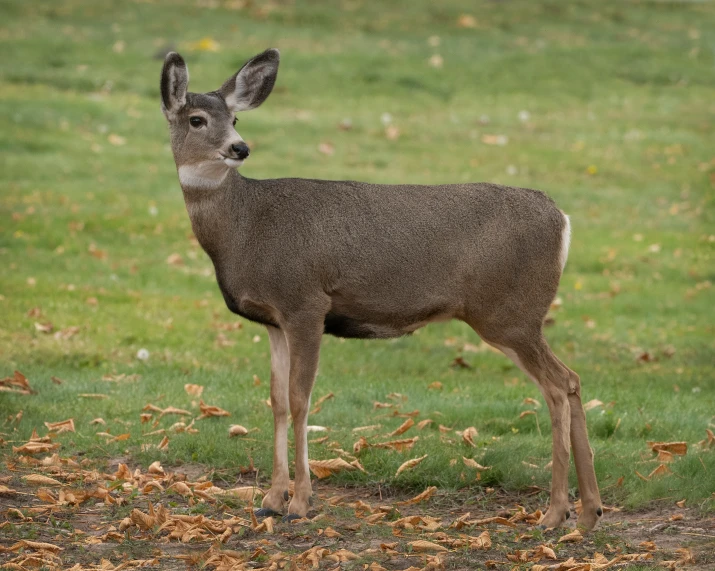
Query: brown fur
x=308, y=257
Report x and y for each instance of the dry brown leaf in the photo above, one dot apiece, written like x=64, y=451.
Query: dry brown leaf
x=533, y=402
x=360, y=445
x=468, y=436
x=661, y=470
x=592, y=404
x=18, y=383
x=208, y=411
x=366, y=428
x=574, y=537
x=164, y=444
x=680, y=448
x=341, y=555
x=420, y=546
x=62, y=426
x=436, y=386
x=470, y=463
x=142, y=520
x=4, y=490
x=399, y=445
x=171, y=410
x=325, y=468
x=331, y=533
x=424, y=423
x=404, y=427
x=409, y=465
x=193, y=390
x=427, y=494
x=245, y=493
x=35, y=448
x=156, y=468
x=544, y=551
x=482, y=541
x=319, y=402
x=237, y=430
x=40, y=480
x=36, y=545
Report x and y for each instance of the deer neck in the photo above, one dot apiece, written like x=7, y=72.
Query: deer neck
x=214, y=201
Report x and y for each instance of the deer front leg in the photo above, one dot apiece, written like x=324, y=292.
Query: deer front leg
x=277, y=497
x=304, y=346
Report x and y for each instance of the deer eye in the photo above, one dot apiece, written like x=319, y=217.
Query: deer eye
x=197, y=121
x=234, y=121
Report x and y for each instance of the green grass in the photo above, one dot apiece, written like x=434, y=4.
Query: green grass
x=620, y=115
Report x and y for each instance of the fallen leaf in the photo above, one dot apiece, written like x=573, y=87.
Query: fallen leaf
x=424, y=423
x=421, y=546
x=592, y=404
x=40, y=480
x=468, y=436
x=660, y=471
x=208, y=411
x=482, y=541
x=470, y=463
x=142, y=520
x=409, y=465
x=18, y=383
x=35, y=448
x=399, y=445
x=325, y=468
x=573, y=537
x=206, y=44
x=4, y=490
x=193, y=390
x=404, y=427
x=680, y=448
x=427, y=494
x=436, y=386
x=237, y=430
x=63, y=426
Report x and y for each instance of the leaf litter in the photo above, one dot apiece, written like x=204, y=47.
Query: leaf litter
x=159, y=509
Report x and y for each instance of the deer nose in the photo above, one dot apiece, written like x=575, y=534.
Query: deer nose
x=241, y=149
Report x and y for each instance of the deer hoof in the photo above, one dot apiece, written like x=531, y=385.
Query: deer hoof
x=599, y=512
x=291, y=517
x=568, y=514
x=265, y=512
x=285, y=495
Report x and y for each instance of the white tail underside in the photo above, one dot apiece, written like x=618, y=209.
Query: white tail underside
x=565, y=241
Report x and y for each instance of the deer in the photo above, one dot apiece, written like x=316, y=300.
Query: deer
x=307, y=257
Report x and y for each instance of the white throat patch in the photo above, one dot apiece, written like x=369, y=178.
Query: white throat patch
x=208, y=174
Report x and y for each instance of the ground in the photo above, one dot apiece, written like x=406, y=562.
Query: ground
x=353, y=527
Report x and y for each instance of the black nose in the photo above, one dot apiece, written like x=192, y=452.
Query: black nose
x=241, y=149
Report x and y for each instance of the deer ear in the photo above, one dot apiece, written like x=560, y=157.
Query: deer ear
x=253, y=83
x=174, y=83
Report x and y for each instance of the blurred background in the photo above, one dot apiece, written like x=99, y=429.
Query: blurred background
x=608, y=107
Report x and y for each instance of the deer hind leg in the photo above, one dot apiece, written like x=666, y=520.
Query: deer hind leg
x=583, y=458
x=277, y=497
x=561, y=388
x=530, y=352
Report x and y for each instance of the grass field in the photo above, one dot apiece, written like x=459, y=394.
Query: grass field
x=608, y=108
